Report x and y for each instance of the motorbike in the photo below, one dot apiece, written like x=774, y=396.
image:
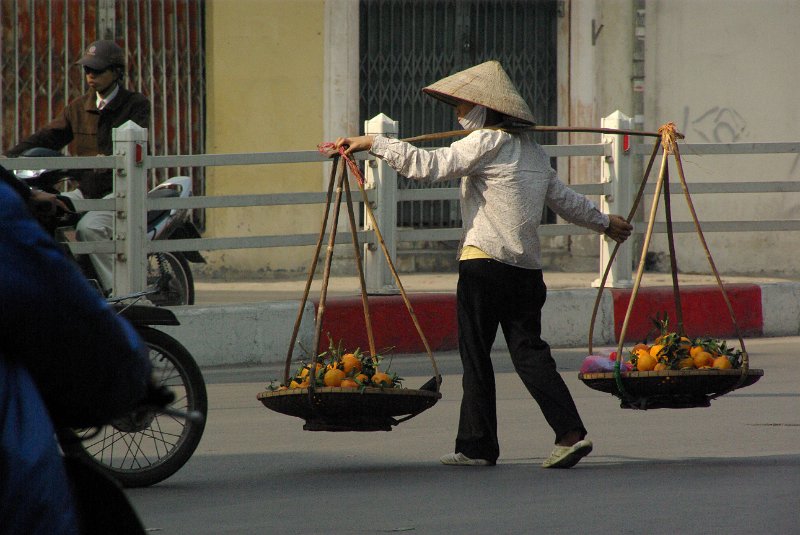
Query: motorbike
x=170, y=272
x=150, y=444
x=101, y=505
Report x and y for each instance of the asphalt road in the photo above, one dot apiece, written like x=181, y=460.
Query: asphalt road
x=731, y=468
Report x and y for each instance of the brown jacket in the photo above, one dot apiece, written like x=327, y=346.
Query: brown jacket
x=89, y=131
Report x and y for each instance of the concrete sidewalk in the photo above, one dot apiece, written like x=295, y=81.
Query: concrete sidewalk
x=251, y=322
x=211, y=292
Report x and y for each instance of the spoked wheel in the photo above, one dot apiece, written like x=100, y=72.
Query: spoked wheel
x=145, y=446
x=171, y=275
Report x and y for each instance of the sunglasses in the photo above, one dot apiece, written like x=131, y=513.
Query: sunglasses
x=96, y=72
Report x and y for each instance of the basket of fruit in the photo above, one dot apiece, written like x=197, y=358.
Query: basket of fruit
x=675, y=371
x=339, y=390
x=672, y=372
x=348, y=392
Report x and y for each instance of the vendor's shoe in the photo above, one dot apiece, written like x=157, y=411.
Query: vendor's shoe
x=459, y=459
x=568, y=456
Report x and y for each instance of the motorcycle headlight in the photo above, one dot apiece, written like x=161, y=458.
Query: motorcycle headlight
x=27, y=174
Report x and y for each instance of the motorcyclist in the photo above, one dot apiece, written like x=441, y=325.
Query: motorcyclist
x=66, y=360
x=86, y=125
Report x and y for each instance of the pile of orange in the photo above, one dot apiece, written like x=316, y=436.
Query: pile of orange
x=672, y=351
x=339, y=368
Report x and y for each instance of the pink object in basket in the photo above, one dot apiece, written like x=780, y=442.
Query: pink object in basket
x=602, y=363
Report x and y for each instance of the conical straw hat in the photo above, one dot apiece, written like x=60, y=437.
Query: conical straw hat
x=486, y=84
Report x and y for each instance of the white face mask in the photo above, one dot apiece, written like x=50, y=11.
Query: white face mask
x=475, y=118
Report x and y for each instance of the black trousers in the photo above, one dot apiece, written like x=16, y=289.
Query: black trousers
x=489, y=294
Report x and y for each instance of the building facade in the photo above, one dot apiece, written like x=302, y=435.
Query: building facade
x=284, y=75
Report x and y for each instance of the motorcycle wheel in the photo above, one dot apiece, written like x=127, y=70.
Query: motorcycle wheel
x=146, y=447
x=171, y=274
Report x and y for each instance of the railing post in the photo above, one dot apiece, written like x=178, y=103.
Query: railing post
x=130, y=221
x=383, y=179
x=617, y=173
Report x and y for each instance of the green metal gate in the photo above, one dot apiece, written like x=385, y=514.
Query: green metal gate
x=408, y=44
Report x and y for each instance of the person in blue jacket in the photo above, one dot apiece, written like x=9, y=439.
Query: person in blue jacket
x=66, y=360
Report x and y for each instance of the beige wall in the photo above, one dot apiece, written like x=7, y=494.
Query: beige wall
x=709, y=67
x=722, y=71
x=594, y=81
x=264, y=94
x=725, y=71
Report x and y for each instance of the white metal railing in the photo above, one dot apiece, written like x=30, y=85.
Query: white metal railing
x=130, y=204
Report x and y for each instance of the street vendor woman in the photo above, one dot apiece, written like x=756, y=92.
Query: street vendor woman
x=506, y=181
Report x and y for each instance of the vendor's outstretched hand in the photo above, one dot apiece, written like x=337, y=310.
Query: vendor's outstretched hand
x=354, y=144
x=618, y=229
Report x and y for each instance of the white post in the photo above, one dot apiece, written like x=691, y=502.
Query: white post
x=617, y=173
x=130, y=221
x=383, y=180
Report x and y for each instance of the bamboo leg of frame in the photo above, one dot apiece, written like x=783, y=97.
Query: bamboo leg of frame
x=360, y=268
x=410, y=309
x=673, y=261
x=745, y=356
x=636, y=202
x=336, y=164
x=705, y=247
x=325, y=278
x=640, y=270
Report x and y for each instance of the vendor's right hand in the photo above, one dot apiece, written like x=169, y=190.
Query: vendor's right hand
x=354, y=144
x=618, y=229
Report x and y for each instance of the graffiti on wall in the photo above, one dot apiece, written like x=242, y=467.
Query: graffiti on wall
x=724, y=125
x=716, y=125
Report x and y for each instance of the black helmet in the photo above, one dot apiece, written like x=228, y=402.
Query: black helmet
x=41, y=152
x=102, y=55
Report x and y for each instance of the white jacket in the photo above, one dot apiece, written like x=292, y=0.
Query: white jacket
x=506, y=182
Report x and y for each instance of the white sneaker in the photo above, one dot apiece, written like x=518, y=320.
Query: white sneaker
x=568, y=456
x=459, y=459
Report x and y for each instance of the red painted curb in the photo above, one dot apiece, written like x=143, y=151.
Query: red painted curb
x=704, y=311
x=392, y=326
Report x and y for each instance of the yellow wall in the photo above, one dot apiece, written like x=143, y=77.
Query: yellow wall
x=264, y=94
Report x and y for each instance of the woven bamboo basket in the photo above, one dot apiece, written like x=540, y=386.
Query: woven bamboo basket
x=670, y=389
x=676, y=389
x=350, y=409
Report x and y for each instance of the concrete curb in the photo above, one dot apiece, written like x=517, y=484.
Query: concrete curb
x=260, y=333
x=242, y=334
x=781, y=308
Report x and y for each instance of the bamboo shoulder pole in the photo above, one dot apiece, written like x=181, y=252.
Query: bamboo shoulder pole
x=536, y=128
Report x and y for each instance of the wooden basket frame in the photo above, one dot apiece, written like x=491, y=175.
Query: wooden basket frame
x=678, y=388
x=314, y=403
